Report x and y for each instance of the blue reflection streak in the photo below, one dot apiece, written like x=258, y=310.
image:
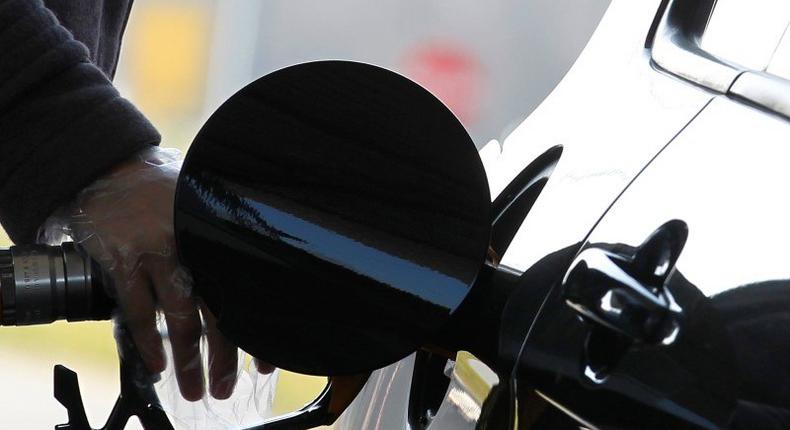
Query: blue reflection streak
x=343, y=251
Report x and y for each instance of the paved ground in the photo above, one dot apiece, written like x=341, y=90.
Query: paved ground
x=28, y=354
x=26, y=399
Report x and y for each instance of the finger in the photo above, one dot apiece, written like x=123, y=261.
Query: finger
x=263, y=367
x=183, y=326
x=139, y=315
x=223, y=359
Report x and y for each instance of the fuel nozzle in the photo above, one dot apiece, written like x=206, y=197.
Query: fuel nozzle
x=40, y=284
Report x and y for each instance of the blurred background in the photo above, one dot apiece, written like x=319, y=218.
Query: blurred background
x=491, y=62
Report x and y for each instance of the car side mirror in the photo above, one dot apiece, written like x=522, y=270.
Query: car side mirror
x=334, y=216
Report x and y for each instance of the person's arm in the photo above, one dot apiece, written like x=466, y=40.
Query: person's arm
x=62, y=123
x=68, y=141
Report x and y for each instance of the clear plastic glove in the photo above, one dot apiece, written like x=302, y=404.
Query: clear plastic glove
x=124, y=221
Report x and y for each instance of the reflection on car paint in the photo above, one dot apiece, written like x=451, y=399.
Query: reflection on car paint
x=725, y=176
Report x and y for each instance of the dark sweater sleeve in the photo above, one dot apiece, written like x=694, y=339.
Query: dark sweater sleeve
x=62, y=123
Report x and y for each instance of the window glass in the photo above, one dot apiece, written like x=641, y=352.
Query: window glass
x=780, y=62
x=746, y=32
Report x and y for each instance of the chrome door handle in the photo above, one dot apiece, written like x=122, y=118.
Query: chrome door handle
x=624, y=291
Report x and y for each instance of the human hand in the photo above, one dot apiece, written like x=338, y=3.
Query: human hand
x=124, y=221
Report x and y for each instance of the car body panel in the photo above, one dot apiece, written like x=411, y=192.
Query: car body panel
x=725, y=176
x=613, y=112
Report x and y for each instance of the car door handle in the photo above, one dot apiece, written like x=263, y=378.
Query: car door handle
x=622, y=288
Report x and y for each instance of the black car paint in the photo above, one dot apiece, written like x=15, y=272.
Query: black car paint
x=726, y=368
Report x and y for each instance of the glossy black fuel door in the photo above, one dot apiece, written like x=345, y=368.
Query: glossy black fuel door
x=334, y=215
